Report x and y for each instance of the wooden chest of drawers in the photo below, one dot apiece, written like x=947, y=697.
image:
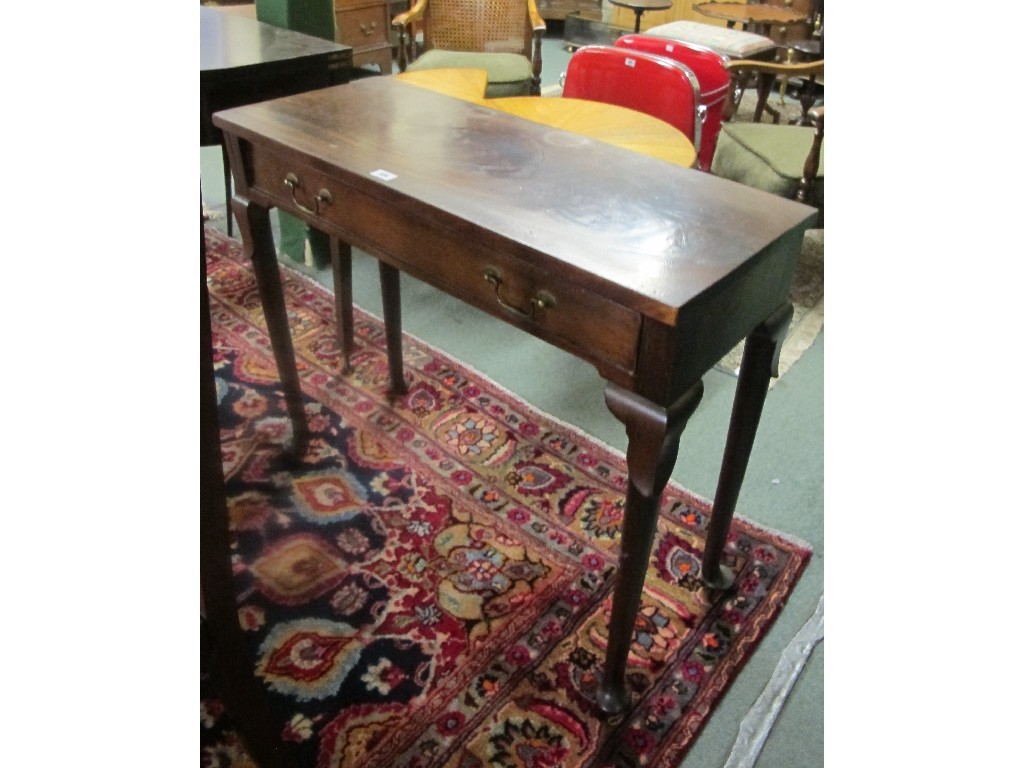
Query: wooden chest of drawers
x=365, y=26
x=559, y=9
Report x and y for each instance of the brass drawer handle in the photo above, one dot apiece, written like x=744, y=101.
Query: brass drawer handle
x=543, y=299
x=368, y=30
x=323, y=196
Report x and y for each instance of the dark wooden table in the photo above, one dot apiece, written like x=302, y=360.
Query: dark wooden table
x=639, y=7
x=242, y=61
x=755, y=17
x=649, y=271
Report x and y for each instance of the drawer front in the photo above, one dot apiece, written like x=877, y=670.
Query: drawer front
x=570, y=317
x=360, y=27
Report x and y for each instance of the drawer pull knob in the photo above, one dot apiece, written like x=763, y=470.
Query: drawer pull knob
x=543, y=299
x=368, y=29
x=323, y=196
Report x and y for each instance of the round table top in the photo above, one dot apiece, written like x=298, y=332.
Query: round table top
x=465, y=84
x=750, y=13
x=621, y=127
x=644, y=5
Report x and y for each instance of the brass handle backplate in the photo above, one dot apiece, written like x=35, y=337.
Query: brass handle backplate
x=543, y=299
x=368, y=29
x=323, y=196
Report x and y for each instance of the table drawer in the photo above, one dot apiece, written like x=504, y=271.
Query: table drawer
x=550, y=307
x=362, y=27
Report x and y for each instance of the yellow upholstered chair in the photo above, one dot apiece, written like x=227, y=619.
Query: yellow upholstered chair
x=502, y=37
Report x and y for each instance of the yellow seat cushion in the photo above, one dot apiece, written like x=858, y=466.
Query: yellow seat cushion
x=508, y=74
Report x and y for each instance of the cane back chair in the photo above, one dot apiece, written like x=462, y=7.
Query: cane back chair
x=502, y=37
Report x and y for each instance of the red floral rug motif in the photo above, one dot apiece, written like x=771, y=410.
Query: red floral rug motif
x=430, y=585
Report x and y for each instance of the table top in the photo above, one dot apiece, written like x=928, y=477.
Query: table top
x=231, y=42
x=641, y=232
x=749, y=13
x=609, y=123
x=643, y=5
x=242, y=61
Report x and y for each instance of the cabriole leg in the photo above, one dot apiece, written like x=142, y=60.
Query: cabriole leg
x=760, y=363
x=653, y=434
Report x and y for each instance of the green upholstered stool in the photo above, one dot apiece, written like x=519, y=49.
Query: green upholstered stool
x=768, y=157
x=508, y=74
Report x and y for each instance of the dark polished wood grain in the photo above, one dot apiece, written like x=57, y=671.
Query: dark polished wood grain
x=242, y=61
x=649, y=271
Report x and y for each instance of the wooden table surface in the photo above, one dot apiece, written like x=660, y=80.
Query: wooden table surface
x=649, y=271
x=596, y=212
x=611, y=124
x=232, y=41
x=759, y=15
x=242, y=60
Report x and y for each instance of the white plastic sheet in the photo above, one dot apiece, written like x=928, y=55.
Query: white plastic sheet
x=758, y=722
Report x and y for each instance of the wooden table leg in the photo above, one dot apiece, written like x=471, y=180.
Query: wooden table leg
x=258, y=243
x=391, y=295
x=341, y=270
x=760, y=363
x=653, y=434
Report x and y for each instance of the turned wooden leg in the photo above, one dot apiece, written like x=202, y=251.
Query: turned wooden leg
x=807, y=97
x=258, y=243
x=341, y=271
x=760, y=363
x=764, y=83
x=653, y=434
x=390, y=290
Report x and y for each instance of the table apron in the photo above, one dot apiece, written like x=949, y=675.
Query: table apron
x=571, y=317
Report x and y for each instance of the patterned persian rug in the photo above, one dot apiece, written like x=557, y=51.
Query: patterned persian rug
x=430, y=584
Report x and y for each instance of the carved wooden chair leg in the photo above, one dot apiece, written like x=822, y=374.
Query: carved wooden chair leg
x=764, y=83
